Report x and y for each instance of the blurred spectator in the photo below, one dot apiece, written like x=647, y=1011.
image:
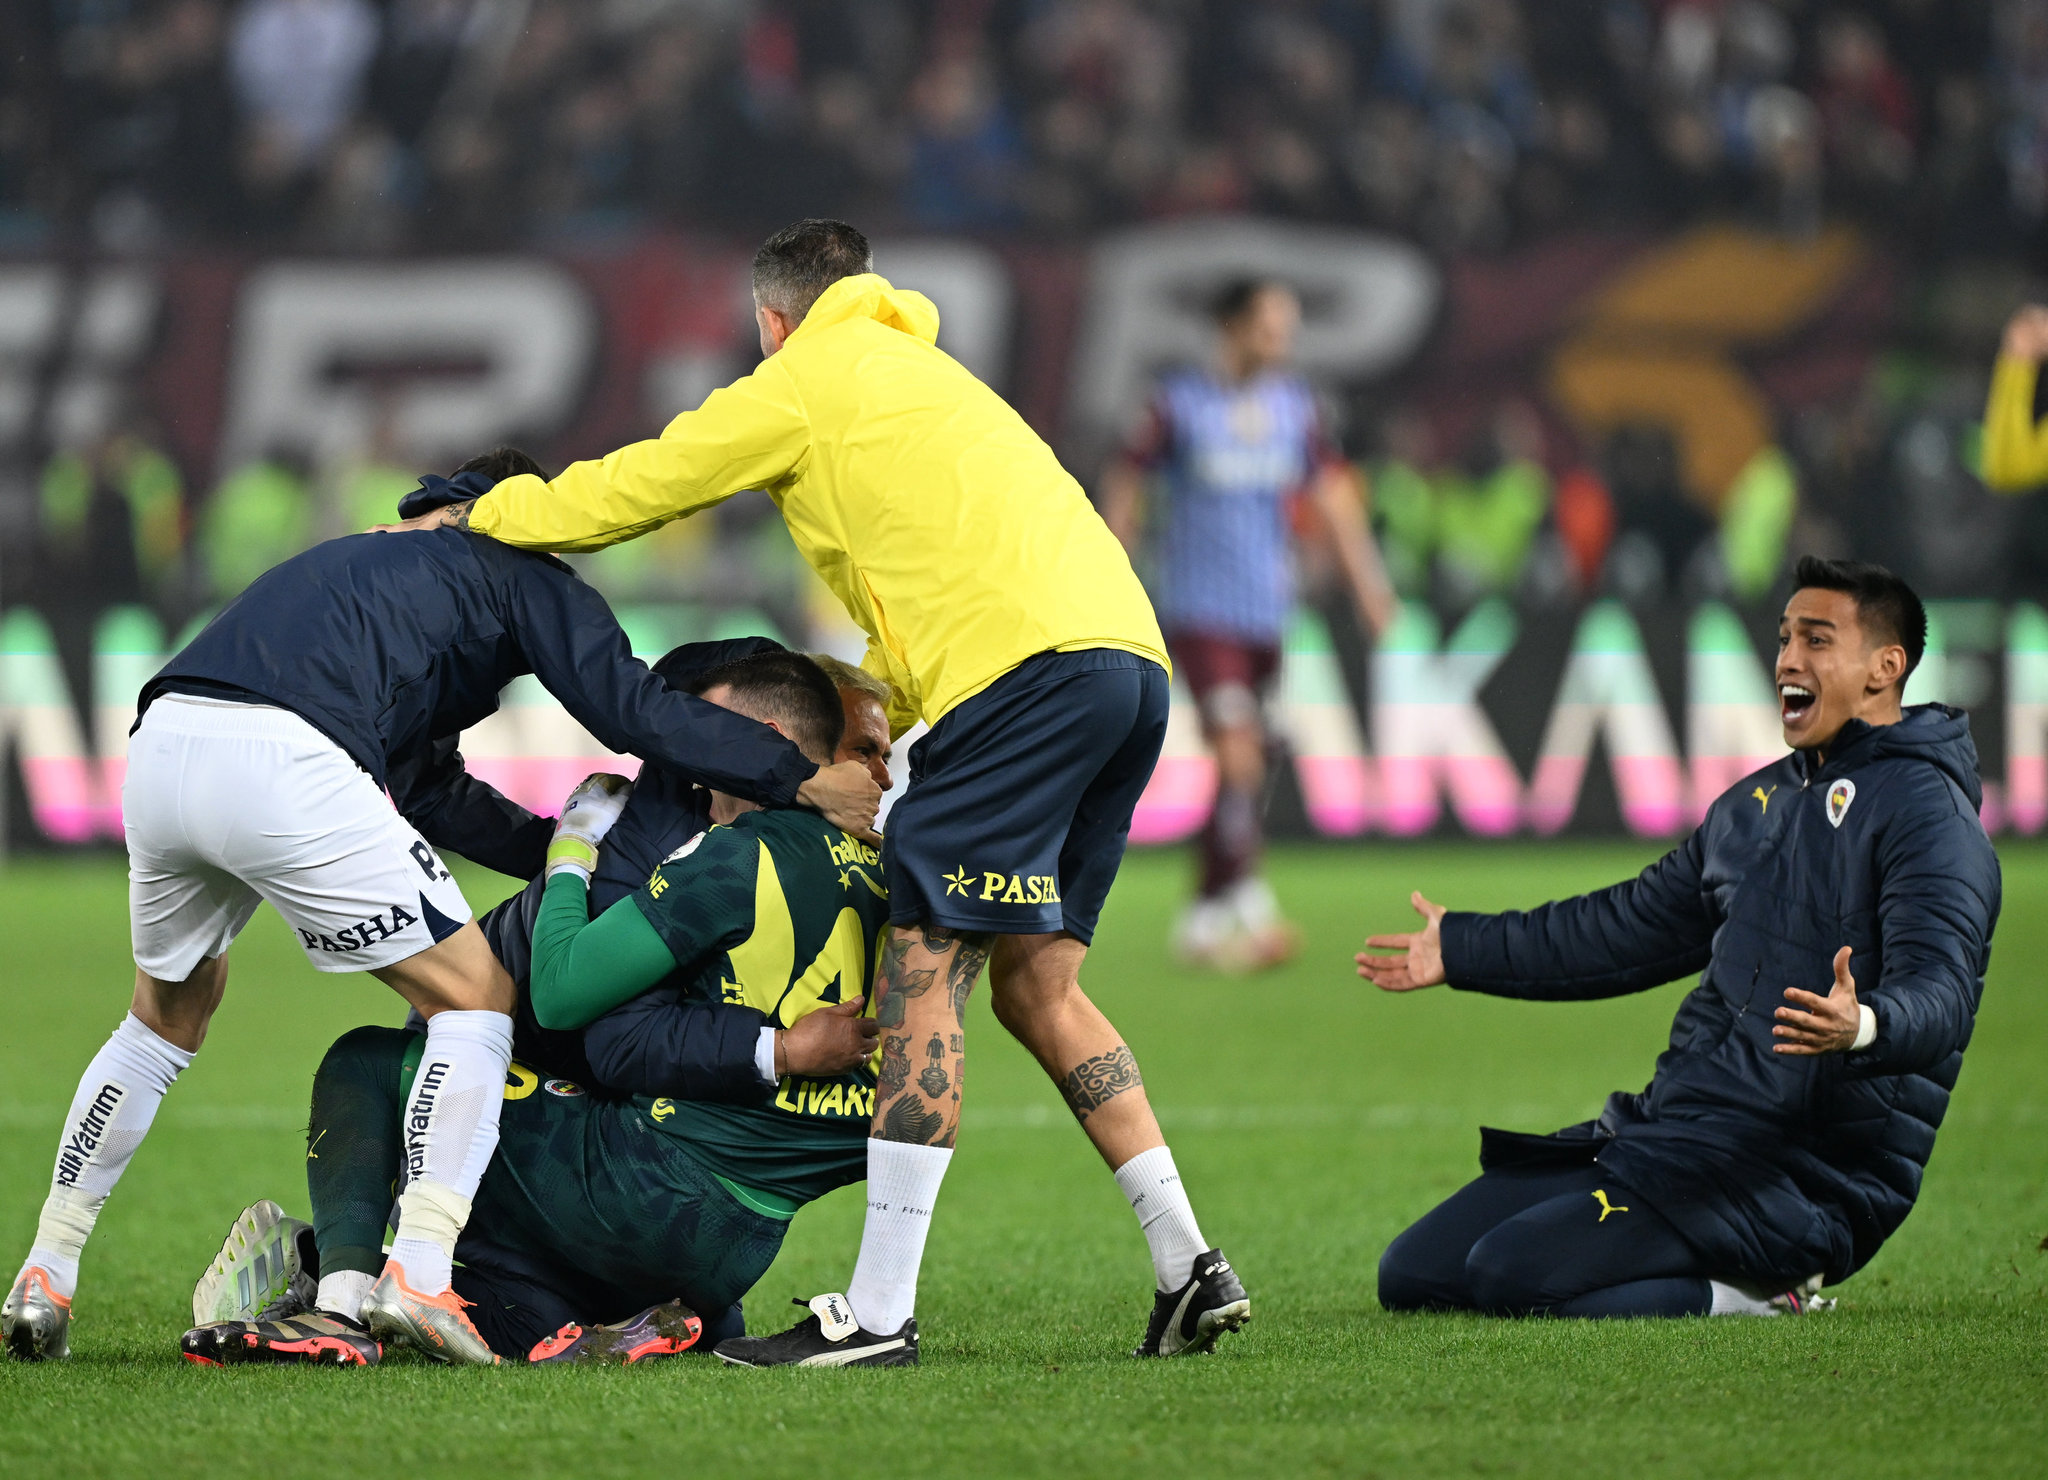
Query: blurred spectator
x=1461, y=531
x=163, y=142
x=1866, y=107
x=966, y=156
x=363, y=486
x=1585, y=525
x=1660, y=531
x=422, y=43
x=112, y=522
x=1489, y=508
x=1404, y=503
x=260, y=515
x=298, y=68
x=1784, y=136
x=1756, y=519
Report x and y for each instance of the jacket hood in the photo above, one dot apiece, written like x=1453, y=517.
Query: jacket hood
x=1934, y=733
x=436, y=492
x=868, y=295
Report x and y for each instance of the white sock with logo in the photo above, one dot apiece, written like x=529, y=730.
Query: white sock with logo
x=903, y=1183
x=1730, y=1301
x=1151, y=1182
x=111, y=1113
x=451, y=1129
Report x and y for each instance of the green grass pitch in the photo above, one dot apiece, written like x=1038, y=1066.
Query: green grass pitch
x=1311, y=1116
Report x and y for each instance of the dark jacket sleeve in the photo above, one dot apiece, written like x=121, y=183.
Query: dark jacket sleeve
x=661, y=1044
x=508, y=929
x=580, y=654
x=455, y=811
x=1938, y=899
x=1628, y=938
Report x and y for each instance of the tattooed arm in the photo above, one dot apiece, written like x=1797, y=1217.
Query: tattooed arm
x=456, y=515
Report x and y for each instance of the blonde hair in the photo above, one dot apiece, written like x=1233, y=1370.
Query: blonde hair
x=845, y=675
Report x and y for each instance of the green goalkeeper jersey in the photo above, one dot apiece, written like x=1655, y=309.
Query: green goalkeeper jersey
x=777, y=911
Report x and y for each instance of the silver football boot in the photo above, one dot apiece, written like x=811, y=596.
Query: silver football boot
x=263, y=1272
x=35, y=1321
x=432, y=1325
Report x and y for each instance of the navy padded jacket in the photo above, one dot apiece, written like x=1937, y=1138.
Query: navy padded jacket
x=1777, y=1166
x=392, y=644
x=659, y=1043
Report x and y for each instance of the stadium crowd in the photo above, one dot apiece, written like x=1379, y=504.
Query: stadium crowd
x=1470, y=123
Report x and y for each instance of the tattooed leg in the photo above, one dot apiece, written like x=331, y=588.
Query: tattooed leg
x=1091, y=1085
x=917, y=1094
x=1038, y=997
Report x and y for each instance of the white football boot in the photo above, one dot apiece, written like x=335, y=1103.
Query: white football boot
x=265, y=1269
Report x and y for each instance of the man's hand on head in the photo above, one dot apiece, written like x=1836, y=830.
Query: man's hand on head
x=830, y=1040
x=1421, y=959
x=1816, y=1024
x=848, y=797
x=447, y=514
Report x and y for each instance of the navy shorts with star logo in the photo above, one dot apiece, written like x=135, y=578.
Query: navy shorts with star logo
x=1021, y=798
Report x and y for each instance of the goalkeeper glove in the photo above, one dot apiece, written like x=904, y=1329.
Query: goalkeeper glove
x=587, y=816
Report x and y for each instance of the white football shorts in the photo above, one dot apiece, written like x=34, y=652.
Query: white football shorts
x=227, y=805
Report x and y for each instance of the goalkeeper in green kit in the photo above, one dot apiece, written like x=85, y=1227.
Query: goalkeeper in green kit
x=603, y=1226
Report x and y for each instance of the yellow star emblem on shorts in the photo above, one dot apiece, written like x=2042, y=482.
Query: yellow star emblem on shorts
x=958, y=880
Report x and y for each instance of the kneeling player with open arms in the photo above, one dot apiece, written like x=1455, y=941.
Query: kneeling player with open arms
x=595, y=1209
x=258, y=770
x=1782, y=1138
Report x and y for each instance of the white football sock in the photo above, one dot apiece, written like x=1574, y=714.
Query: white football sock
x=1152, y=1184
x=903, y=1183
x=109, y=1116
x=343, y=1292
x=1730, y=1301
x=451, y=1129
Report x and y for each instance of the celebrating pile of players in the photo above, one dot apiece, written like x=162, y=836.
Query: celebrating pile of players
x=723, y=994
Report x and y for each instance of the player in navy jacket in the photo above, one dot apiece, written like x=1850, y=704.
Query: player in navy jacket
x=1783, y=1136
x=258, y=770
x=391, y=648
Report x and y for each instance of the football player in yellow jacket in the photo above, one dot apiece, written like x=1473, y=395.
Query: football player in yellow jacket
x=1004, y=614
x=2015, y=444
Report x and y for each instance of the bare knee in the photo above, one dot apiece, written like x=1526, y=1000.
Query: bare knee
x=459, y=974
x=1240, y=755
x=1034, y=976
x=180, y=1012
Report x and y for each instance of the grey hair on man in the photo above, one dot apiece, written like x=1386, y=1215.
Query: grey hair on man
x=845, y=675
x=801, y=261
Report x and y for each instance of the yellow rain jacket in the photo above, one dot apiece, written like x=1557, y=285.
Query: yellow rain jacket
x=2015, y=448
x=945, y=524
